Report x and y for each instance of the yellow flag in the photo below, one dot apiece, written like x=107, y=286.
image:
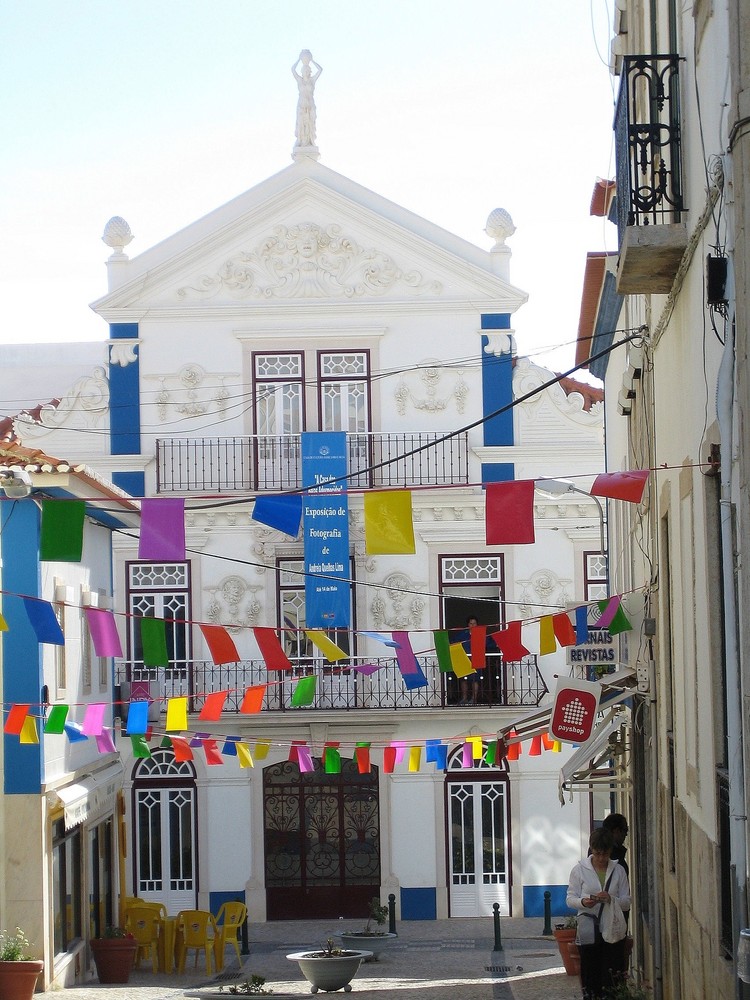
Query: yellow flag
x=415, y=758
x=329, y=649
x=477, y=748
x=547, y=643
x=177, y=715
x=460, y=660
x=389, y=529
x=261, y=749
x=29, y=732
x=3, y=624
x=243, y=755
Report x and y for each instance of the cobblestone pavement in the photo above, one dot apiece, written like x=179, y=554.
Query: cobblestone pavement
x=430, y=960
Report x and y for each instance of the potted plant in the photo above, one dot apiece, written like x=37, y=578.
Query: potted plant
x=114, y=955
x=565, y=935
x=370, y=937
x=331, y=968
x=18, y=971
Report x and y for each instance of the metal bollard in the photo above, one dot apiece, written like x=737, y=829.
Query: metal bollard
x=547, y=912
x=392, y=914
x=496, y=919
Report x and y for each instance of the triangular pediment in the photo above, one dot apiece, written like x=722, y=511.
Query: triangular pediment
x=306, y=234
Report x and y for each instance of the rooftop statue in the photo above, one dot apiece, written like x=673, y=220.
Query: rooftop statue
x=306, y=72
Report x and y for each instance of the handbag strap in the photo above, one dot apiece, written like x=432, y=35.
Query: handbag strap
x=606, y=889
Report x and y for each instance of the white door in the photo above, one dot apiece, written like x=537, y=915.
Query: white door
x=479, y=871
x=164, y=837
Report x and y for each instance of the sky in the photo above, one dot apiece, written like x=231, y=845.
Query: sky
x=160, y=111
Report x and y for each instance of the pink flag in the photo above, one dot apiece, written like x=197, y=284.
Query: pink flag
x=104, y=741
x=162, y=529
x=103, y=632
x=509, y=513
x=93, y=719
x=621, y=485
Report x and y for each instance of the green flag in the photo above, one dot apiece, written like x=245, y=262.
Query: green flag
x=61, y=538
x=154, y=640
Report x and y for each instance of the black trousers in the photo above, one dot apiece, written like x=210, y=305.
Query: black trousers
x=602, y=965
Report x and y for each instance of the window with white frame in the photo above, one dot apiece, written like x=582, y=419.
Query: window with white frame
x=594, y=576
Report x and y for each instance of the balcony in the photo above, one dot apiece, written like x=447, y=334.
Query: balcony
x=652, y=235
x=255, y=463
x=338, y=688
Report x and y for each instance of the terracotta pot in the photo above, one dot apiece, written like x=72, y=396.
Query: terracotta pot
x=575, y=959
x=18, y=979
x=114, y=958
x=565, y=936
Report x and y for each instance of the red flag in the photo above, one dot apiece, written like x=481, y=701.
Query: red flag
x=212, y=706
x=621, y=485
x=181, y=748
x=389, y=759
x=362, y=756
x=16, y=718
x=564, y=631
x=508, y=641
x=509, y=513
x=253, y=700
x=211, y=750
x=271, y=650
x=220, y=644
x=478, y=634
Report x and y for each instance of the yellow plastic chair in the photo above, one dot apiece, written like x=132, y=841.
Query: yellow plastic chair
x=144, y=923
x=229, y=920
x=193, y=932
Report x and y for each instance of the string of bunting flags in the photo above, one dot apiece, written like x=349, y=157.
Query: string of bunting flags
x=388, y=530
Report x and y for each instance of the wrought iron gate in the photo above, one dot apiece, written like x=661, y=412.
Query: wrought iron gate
x=322, y=841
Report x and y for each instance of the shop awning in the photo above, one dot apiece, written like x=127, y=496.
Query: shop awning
x=91, y=796
x=616, y=688
x=599, y=759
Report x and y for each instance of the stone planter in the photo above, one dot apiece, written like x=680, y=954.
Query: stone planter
x=114, y=958
x=18, y=979
x=376, y=943
x=329, y=972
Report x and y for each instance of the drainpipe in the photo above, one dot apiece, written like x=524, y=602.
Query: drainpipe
x=735, y=766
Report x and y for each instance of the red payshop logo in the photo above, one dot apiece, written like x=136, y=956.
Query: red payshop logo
x=573, y=715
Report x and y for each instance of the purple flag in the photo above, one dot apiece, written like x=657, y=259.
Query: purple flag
x=162, y=529
x=103, y=632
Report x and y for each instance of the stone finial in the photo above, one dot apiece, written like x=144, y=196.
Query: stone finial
x=306, y=72
x=499, y=226
x=117, y=235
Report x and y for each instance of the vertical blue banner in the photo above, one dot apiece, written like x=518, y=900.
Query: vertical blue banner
x=326, y=530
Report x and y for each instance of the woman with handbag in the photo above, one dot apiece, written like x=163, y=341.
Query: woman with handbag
x=598, y=890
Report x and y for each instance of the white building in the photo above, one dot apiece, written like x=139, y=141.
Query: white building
x=310, y=303
x=59, y=818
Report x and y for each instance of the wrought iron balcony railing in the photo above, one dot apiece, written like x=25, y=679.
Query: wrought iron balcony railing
x=261, y=462
x=338, y=688
x=647, y=138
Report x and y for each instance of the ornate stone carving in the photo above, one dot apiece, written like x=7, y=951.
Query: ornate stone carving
x=541, y=590
x=305, y=129
x=499, y=342
x=400, y=605
x=192, y=391
x=528, y=376
x=308, y=261
x=437, y=395
x=85, y=404
x=123, y=352
x=234, y=604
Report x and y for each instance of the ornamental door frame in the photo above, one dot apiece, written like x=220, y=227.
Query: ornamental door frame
x=478, y=837
x=321, y=835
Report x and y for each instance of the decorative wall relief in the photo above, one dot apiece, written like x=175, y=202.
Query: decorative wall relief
x=84, y=405
x=554, y=401
x=398, y=604
x=234, y=604
x=543, y=589
x=192, y=391
x=308, y=261
x=437, y=391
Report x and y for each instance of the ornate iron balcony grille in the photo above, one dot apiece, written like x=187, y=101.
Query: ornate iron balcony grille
x=647, y=139
x=338, y=688
x=267, y=462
